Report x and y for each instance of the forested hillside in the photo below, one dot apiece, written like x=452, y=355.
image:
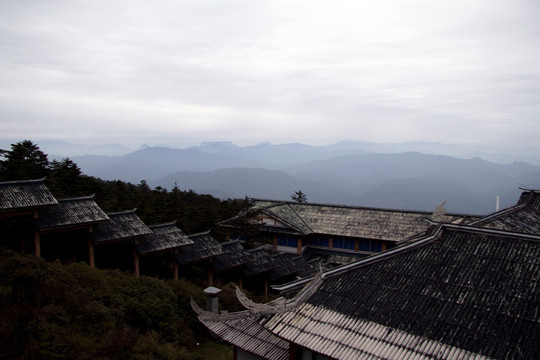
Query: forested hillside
x=193, y=212
x=50, y=310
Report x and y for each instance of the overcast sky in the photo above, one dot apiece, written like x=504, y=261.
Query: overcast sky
x=316, y=72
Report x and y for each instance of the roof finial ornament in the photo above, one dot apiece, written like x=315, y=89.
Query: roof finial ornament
x=439, y=213
x=273, y=307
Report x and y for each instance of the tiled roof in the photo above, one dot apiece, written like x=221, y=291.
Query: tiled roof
x=361, y=222
x=164, y=237
x=246, y=332
x=120, y=226
x=17, y=195
x=341, y=336
x=530, y=197
x=234, y=254
x=70, y=212
x=524, y=217
x=259, y=262
x=286, y=213
x=461, y=292
x=204, y=246
x=285, y=264
x=307, y=268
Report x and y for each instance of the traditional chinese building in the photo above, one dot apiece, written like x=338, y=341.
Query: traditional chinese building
x=459, y=291
x=114, y=241
x=64, y=230
x=161, y=247
x=340, y=234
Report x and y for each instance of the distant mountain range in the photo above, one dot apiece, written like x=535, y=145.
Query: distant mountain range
x=352, y=173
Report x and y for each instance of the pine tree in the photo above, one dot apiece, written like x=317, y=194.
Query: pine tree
x=25, y=161
x=299, y=196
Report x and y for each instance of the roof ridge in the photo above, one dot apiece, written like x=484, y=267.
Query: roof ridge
x=163, y=224
x=88, y=197
x=122, y=212
x=258, y=248
x=281, y=202
x=11, y=182
x=301, y=218
x=231, y=242
x=499, y=213
x=529, y=190
x=199, y=233
x=470, y=228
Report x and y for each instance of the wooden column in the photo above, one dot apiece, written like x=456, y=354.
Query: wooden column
x=275, y=243
x=90, y=252
x=383, y=246
x=210, y=273
x=136, y=263
x=356, y=245
x=331, y=243
x=299, y=246
x=37, y=241
x=266, y=287
x=175, y=270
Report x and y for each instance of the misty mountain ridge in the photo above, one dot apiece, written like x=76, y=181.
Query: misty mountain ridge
x=415, y=176
x=348, y=173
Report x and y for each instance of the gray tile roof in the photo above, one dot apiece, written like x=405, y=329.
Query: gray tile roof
x=246, y=332
x=359, y=222
x=340, y=336
x=234, y=254
x=524, y=217
x=17, y=195
x=204, y=247
x=461, y=292
x=164, y=237
x=70, y=212
x=530, y=197
x=285, y=264
x=259, y=262
x=120, y=226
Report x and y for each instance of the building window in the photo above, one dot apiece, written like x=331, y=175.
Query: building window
x=348, y=244
x=364, y=245
x=376, y=246
x=343, y=243
x=287, y=241
x=319, y=240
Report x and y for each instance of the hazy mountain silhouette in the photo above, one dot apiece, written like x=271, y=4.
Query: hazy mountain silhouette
x=342, y=173
x=260, y=183
x=151, y=163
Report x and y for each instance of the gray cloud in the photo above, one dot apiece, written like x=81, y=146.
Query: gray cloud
x=315, y=72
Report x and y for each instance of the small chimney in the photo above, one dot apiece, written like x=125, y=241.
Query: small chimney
x=498, y=202
x=212, y=301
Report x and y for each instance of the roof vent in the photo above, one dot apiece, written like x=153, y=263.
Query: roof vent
x=212, y=301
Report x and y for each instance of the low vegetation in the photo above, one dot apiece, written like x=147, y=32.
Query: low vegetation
x=55, y=311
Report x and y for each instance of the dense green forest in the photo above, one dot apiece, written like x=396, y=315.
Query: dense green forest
x=50, y=310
